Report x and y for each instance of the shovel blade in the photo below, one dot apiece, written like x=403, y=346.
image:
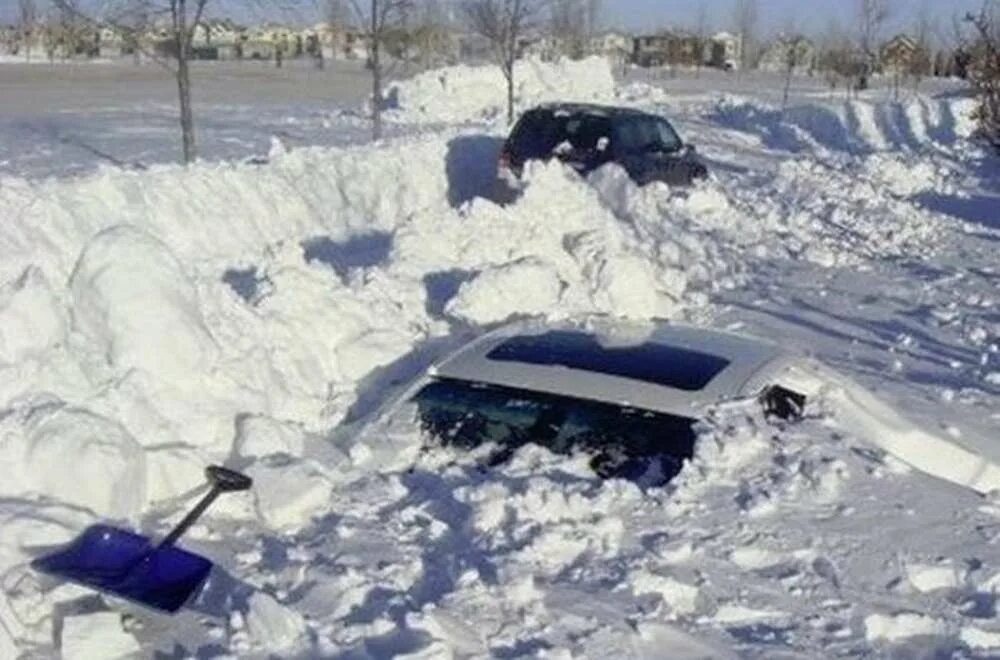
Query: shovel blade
x=128, y=565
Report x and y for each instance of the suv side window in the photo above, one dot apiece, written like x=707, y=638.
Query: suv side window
x=535, y=136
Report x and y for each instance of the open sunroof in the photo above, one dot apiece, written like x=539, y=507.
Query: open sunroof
x=662, y=364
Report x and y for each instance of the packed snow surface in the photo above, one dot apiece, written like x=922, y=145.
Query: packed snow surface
x=260, y=315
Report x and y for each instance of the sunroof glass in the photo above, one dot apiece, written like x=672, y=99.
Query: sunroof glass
x=672, y=366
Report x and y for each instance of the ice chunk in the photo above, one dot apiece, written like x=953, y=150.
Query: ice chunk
x=902, y=626
x=528, y=286
x=271, y=624
x=258, y=436
x=31, y=320
x=289, y=494
x=74, y=456
x=97, y=635
x=135, y=308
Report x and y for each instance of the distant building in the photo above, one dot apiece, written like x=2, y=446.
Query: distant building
x=674, y=48
x=8, y=39
x=796, y=49
x=614, y=45
x=724, y=50
x=903, y=54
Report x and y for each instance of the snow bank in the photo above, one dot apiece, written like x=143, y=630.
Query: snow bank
x=74, y=457
x=130, y=360
x=135, y=308
x=856, y=126
x=465, y=93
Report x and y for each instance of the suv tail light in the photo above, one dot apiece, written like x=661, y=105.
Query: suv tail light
x=503, y=163
x=505, y=167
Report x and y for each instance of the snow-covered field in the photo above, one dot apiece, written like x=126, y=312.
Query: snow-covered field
x=154, y=320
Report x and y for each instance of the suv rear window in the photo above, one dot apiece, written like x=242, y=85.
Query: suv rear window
x=623, y=442
x=661, y=364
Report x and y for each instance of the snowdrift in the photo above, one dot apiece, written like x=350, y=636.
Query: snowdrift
x=857, y=126
x=474, y=93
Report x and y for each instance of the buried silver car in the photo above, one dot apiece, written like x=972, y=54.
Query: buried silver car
x=629, y=395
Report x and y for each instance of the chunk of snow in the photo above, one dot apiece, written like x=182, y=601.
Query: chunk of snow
x=271, y=624
x=682, y=598
x=979, y=639
x=97, y=635
x=289, y=493
x=31, y=319
x=926, y=578
x=74, y=456
x=528, y=287
x=135, y=308
x=902, y=626
x=259, y=436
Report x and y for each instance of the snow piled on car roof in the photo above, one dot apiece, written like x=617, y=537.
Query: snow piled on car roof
x=152, y=322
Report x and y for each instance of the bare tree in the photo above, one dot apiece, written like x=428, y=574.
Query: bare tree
x=745, y=16
x=701, y=34
x=794, y=51
x=872, y=15
x=568, y=26
x=429, y=33
x=920, y=62
x=182, y=18
x=593, y=16
x=27, y=23
x=503, y=23
x=376, y=19
x=984, y=68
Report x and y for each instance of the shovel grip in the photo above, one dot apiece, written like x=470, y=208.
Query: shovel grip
x=222, y=480
x=226, y=480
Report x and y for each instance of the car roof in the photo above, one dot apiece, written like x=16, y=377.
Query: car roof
x=592, y=109
x=658, y=366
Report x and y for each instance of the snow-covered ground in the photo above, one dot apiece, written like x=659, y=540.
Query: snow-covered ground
x=155, y=320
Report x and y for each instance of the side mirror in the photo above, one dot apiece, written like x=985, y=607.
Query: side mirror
x=690, y=148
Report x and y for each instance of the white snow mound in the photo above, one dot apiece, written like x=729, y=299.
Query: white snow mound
x=464, y=93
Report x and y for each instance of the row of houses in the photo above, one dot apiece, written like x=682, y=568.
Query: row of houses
x=223, y=39
x=681, y=48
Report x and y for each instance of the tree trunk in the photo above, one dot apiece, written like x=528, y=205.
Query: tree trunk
x=508, y=73
x=788, y=86
x=187, y=116
x=376, y=77
x=184, y=84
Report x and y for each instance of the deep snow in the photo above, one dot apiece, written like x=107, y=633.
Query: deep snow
x=154, y=321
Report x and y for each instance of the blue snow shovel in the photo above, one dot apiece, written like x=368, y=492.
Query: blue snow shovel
x=126, y=564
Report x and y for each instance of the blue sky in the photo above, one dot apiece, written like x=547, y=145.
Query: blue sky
x=641, y=15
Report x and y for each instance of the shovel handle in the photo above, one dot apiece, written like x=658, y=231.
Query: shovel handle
x=222, y=480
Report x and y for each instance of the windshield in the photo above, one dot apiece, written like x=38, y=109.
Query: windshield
x=622, y=442
x=637, y=134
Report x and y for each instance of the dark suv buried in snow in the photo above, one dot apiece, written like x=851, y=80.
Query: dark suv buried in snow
x=586, y=137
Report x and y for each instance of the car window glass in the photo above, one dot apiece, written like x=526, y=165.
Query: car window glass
x=639, y=133
x=536, y=135
x=662, y=364
x=584, y=132
x=622, y=442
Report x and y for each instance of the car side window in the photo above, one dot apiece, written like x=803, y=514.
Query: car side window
x=535, y=135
